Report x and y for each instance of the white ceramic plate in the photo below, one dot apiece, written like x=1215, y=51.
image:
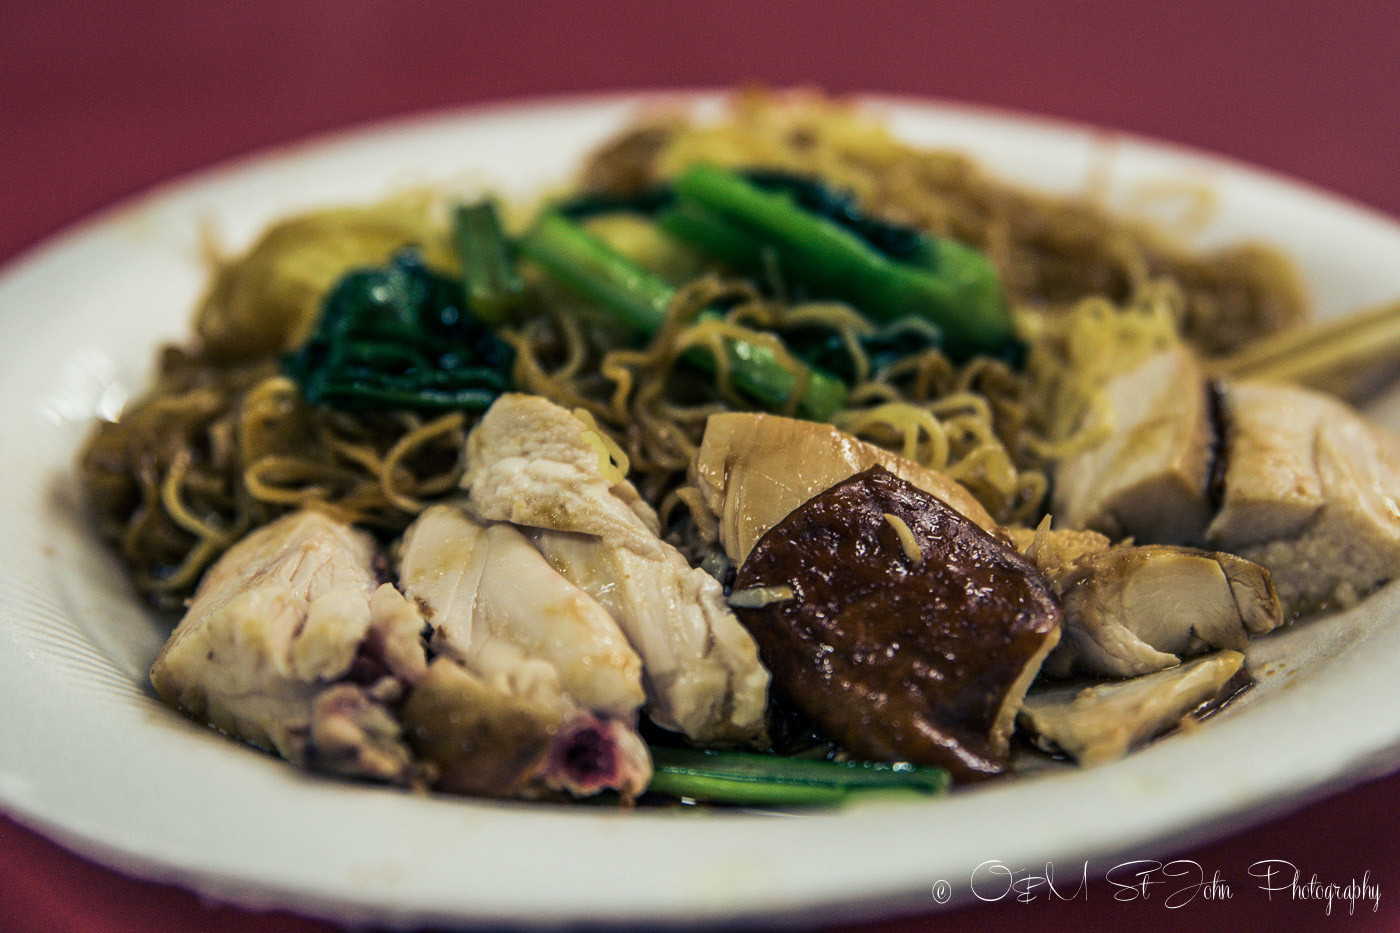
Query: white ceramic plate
x=88, y=756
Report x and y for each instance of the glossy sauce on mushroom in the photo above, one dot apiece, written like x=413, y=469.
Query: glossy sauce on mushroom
x=900, y=656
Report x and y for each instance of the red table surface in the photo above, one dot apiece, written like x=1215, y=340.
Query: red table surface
x=99, y=101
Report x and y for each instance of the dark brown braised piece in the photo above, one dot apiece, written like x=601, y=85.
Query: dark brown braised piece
x=900, y=628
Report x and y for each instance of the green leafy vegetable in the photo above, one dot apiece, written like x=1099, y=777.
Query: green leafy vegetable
x=894, y=240
x=593, y=204
x=772, y=780
x=493, y=287
x=400, y=336
x=949, y=284
x=639, y=299
x=882, y=347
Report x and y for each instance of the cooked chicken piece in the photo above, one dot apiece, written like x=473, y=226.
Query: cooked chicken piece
x=1097, y=724
x=536, y=464
x=753, y=469
x=676, y=616
x=1148, y=479
x=498, y=608
x=533, y=463
x=1131, y=610
x=291, y=644
x=1138, y=610
x=545, y=691
x=1141, y=609
x=1306, y=486
x=1311, y=491
x=896, y=625
x=486, y=742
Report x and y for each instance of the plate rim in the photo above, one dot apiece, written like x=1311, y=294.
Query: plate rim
x=200, y=175
x=1363, y=765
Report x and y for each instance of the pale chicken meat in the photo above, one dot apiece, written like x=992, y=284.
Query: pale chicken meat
x=544, y=690
x=500, y=610
x=1311, y=491
x=1292, y=479
x=754, y=469
x=707, y=701
x=1134, y=610
x=292, y=644
x=1148, y=479
x=1101, y=723
x=535, y=464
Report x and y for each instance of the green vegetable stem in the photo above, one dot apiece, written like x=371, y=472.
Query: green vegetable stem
x=639, y=299
x=949, y=284
x=493, y=287
x=772, y=780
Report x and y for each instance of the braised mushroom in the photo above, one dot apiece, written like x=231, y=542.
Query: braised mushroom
x=898, y=626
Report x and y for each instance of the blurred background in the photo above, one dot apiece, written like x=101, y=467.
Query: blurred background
x=101, y=100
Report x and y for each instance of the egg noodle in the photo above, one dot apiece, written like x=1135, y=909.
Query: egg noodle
x=223, y=442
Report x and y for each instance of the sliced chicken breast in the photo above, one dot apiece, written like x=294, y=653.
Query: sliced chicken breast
x=533, y=463
x=1097, y=724
x=545, y=690
x=1148, y=479
x=290, y=643
x=1311, y=491
x=1289, y=478
x=681, y=624
x=499, y=609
